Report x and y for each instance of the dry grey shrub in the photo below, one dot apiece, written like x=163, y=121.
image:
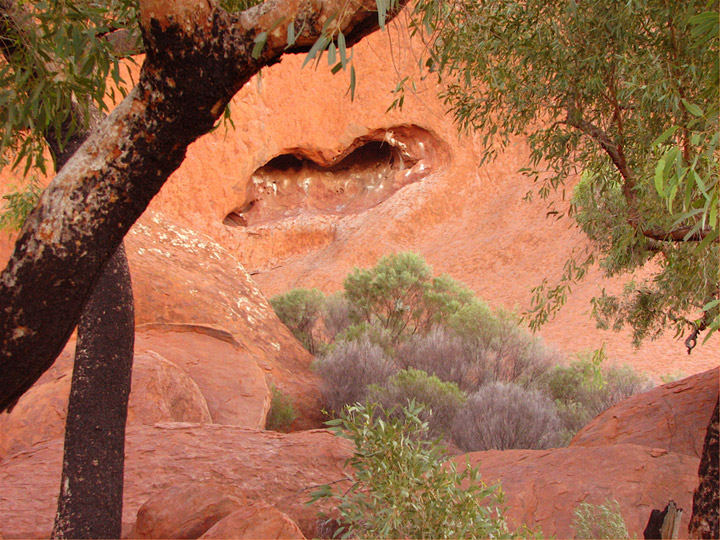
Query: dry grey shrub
x=443, y=354
x=503, y=416
x=336, y=314
x=348, y=369
x=511, y=355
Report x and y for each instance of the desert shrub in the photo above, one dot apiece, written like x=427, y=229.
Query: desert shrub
x=281, y=413
x=401, y=488
x=599, y=521
x=402, y=296
x=442, y=353
x=440, y=400
x=503, y=416
x=336, y=314
x=502, y=349
x=372, y=332
x=585, y=388
x=347, y=370
x=299, y=309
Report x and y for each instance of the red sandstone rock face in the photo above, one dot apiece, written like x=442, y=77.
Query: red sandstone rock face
x=180, y=375
x=185, y=511
x=543, y=487
x=181, y=276
x=253, y=522
x=279, y=193
x=278, y=469
x=674, y=416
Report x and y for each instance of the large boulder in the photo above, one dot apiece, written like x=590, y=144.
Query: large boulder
x=180, y=374
x=185, y=511
x=279, y=469
x=254, y=522
x=183, y=277
x=673, y=416
x=161, y=392
x=543, y=487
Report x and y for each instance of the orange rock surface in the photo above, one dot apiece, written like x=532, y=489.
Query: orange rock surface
x=180, y=374
x=184, y=511
x=256, y=521
x=674, y=416
x=543, y=487
x=278, y=469
x=310, y=184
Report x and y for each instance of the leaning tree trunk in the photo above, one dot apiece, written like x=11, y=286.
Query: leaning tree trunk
x=91, y=484
x=90, y=502
x=705, y=519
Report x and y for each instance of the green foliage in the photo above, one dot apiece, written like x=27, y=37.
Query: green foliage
x=281, y=413
x=586, y=387
x=625, y=94
x=59, y=68
x=440, y=400
x=18, y=205
x=299, y=309
x=402, y=489
x=599, y=521
x=402, y=296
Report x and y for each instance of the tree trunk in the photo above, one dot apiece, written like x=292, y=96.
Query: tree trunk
x=705, y=519
x=90, y=502
x=197, y=57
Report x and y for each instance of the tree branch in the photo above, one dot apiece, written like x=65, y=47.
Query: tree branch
x=614, y=151
x=198, y=57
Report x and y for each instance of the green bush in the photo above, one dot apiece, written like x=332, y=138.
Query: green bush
x=299, y=309
x=281, y=413
x=402, y=489
x=440, y=400
x=502, y=416
x=586, y=387
x=402, y=296
x=599, y=521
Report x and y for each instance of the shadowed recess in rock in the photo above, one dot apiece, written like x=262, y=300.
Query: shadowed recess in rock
x=365, y=174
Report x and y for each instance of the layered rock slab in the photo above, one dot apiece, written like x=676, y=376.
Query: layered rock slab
x=543, y=487
x=278, y=469
x=180, y=373
x=181, y=276
x=673, y=416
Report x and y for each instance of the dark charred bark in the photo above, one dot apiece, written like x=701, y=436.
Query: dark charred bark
x=90, y=501
x=705, y=519
x=197, y=58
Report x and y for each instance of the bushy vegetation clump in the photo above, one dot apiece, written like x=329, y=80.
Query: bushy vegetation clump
x=440, y=400
x=503, y=416
x=398, y=334
x=585, y=388
x=401, y=487
x=281, y=413
x=349, y=369
x=599, y=521
x=299, y=309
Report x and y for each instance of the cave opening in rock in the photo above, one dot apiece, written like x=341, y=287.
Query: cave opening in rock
x=301, y=180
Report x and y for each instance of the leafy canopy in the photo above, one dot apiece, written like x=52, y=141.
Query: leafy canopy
x=401, y=488
x=400, y=294
x=625, y=94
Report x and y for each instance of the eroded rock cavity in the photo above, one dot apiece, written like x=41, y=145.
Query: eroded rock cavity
x=365, y=174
